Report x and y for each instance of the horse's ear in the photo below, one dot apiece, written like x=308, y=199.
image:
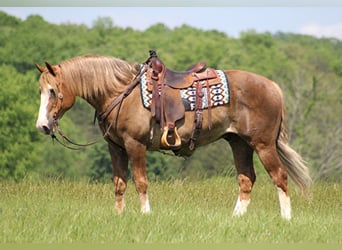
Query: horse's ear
x=40, y=68
x=50, y=68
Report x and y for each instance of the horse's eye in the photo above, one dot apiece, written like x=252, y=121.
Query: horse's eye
x=52, y=93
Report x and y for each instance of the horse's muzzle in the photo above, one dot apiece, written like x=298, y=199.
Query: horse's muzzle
x=44, y=129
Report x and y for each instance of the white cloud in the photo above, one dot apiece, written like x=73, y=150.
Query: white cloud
x=318, y=30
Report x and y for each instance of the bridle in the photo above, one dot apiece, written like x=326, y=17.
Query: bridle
x=57, y=106
x=101, y=117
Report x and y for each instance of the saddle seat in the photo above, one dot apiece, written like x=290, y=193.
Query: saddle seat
x=181, y=80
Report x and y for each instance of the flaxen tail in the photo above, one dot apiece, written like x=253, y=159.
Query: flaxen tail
x=292, y=161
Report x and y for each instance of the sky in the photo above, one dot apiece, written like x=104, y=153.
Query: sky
x=315, y=21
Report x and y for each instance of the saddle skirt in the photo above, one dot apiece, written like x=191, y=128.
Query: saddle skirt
x=219, y=93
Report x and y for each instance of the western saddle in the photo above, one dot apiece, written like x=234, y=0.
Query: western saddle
x=167, y=106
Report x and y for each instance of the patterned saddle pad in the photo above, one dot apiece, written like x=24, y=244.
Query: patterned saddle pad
x=219, y=94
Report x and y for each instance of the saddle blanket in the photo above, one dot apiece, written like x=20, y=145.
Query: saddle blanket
x=219, y=93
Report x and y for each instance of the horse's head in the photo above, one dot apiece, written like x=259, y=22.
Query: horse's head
x=55, y=99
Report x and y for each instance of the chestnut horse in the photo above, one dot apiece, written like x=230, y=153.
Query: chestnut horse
x=253, y=120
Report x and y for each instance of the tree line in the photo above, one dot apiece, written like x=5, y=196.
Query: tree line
x=308, y=69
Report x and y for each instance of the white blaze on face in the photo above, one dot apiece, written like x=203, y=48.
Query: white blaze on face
x=42, y=116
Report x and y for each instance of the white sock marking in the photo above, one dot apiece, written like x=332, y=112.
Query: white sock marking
x=285, y=204
x=241, y=207
x=145, y=204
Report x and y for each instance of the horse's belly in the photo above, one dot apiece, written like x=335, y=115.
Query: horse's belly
x=220, y=125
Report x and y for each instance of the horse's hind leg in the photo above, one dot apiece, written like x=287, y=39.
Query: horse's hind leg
x=243, y=158
x=271, y=161
x=120, y=170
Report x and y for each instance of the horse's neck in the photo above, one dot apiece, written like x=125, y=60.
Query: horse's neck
x=99, y=82
x=98, y=99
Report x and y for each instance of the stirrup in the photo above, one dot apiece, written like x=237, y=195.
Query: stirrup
x=170, y=134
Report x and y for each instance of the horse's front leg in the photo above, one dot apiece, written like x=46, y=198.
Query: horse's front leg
x=120, y=171
x=137, y=157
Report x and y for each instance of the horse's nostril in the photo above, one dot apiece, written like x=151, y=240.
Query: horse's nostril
x=46, y=129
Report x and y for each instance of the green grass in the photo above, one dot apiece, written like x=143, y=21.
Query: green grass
x=183, y=212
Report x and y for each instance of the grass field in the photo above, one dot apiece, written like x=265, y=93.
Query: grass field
x=183, y=212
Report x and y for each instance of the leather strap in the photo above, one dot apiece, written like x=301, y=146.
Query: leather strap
x=198, y=116
x=104, y=115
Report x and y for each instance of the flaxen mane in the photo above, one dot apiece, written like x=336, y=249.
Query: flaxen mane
x=97, y=75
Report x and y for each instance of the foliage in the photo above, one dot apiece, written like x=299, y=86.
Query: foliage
x=17, y=116
x=306, y=68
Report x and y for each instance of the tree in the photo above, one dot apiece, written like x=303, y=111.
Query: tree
x=18, y=153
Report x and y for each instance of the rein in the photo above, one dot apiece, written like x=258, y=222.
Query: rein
x=66, y=138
